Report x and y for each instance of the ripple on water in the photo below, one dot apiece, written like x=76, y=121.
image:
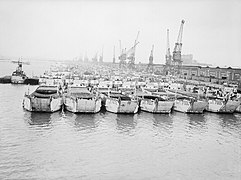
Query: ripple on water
x=110, y=146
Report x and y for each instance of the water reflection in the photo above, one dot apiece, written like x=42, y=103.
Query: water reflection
x=85, y=121
x=36, y=118
x=230, y=122
x=125, y=122
x=162, y=120
x=196, y=120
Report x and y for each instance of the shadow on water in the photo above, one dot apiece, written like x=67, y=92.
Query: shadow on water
x=125, y=122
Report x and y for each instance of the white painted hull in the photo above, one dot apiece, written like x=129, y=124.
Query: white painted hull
x=42, y=104
x=187, y=107
x=238, y=109
x=150, y=89
x=220, y=106
x=123, y=106
x=153, y=106
x=78, y=105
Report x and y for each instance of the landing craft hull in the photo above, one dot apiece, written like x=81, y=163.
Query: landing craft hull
x=156, y=107
x=115, y=106
x=238, y=109
x=187, y=107
x=35, y=104
x=78, y=105
x=220, y=106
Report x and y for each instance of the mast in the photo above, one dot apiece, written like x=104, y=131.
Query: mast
x=120, y=46
x=168, y=52
x=122, y=57
x=86, y=59
x=150, y=64
x=151, y=56
x=114, y=55
x=95, y=58
x=101, y=56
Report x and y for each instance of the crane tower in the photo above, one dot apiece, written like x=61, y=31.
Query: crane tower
x=177, y=61
x=131, y=53
x=168, y=52
x=150, y=64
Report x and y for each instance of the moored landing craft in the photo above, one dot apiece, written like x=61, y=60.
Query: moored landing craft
x=155, y=104
x=238, y=109
x=118, y=103
x=220, y=105
x=80, y=100
x=189, y=105
x=43, y=99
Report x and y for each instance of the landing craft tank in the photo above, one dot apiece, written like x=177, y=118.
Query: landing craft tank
x=118, y=103
x=220, y=105
x=43, y=99
x=156, y=104
x=80, y=100
x=189, y=105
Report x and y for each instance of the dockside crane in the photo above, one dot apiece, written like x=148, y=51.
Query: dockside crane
x=168, y=52
x=150, y=67
x=177, y=58
x=132, y=56
x=122, y=57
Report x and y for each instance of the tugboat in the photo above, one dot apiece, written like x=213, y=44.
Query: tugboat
x=18, y=76
x=43, y=99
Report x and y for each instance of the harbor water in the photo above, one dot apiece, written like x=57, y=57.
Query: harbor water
x=64, y=145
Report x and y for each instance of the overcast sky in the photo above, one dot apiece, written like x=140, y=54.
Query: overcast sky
x=66, y=29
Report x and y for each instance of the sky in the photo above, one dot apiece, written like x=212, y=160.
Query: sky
x=67, y=29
